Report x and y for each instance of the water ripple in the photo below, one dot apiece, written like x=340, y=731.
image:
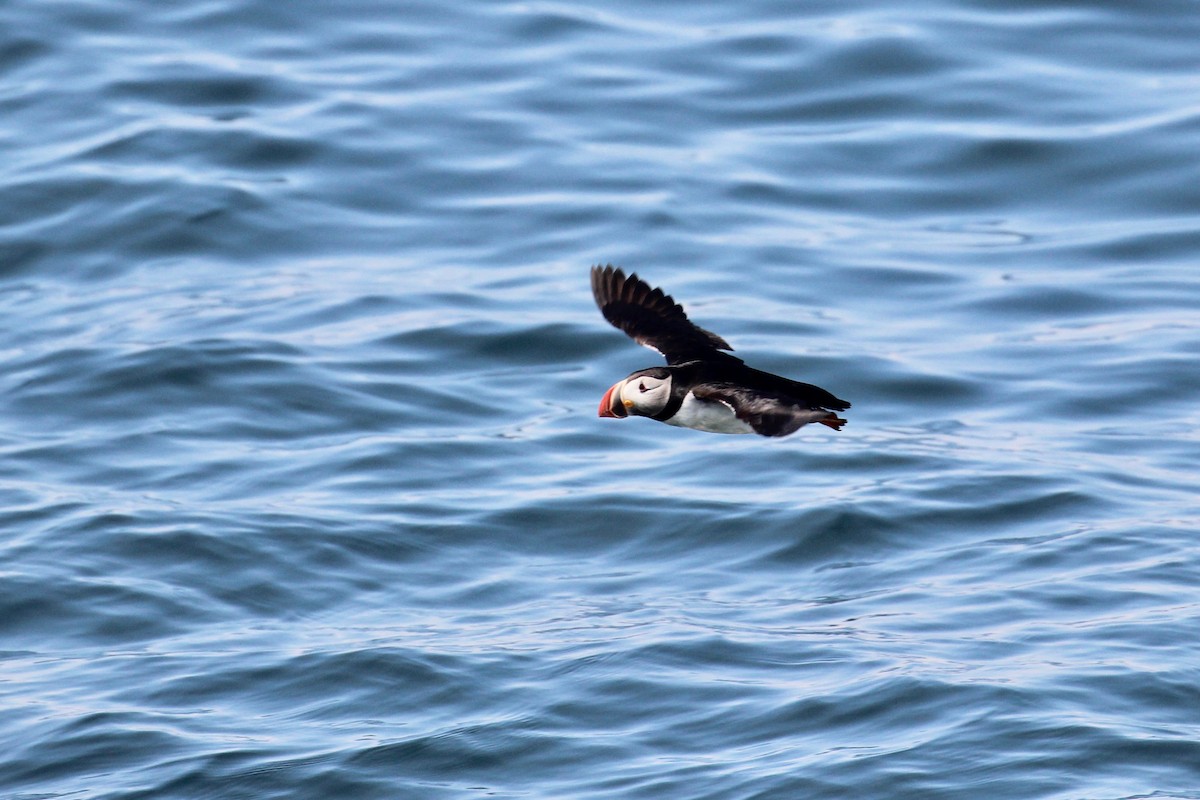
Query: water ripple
x=304, y=490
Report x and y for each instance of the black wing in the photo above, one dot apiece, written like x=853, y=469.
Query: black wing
x=651, y=318
x=769, y=413
x=803, y=394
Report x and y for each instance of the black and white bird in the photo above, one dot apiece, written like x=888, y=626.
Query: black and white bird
x=701, y=387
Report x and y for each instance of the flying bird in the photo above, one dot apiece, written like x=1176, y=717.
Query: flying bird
x=701, y=387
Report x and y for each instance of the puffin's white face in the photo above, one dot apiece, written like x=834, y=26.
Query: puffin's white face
x=638, y=395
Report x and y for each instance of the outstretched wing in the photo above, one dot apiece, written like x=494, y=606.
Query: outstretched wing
x=651, y=318
x=769, y=413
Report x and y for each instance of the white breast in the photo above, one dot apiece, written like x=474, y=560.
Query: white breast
x=708, y=415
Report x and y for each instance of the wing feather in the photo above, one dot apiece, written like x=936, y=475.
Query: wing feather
x=652, y=318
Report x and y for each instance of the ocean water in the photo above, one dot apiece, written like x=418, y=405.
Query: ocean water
x=303, y=493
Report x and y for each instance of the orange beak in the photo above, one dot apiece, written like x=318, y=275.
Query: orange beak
x=610, y=404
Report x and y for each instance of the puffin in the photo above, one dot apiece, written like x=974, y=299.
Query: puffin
x=702, y=386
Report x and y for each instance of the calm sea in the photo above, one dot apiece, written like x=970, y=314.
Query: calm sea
x=303, y=493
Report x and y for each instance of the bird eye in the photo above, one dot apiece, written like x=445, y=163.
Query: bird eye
x=641, y=387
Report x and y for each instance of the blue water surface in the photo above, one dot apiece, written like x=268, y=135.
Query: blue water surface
x=303, y=493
